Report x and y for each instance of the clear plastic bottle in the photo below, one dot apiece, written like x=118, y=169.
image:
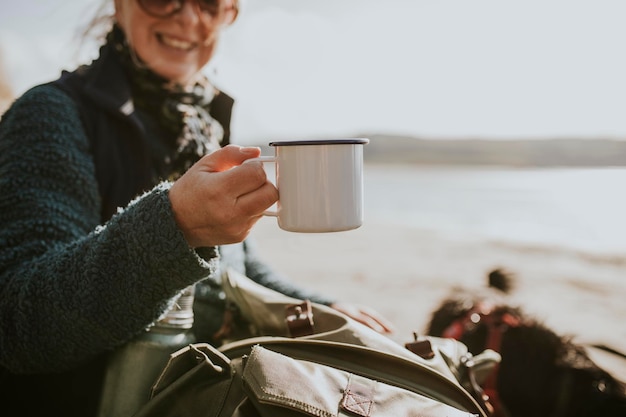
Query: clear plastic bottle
x=134, y=368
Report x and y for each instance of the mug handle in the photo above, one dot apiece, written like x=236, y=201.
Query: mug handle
x=264, y=159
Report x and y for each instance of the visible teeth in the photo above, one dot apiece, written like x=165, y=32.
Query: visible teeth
x=176, y=43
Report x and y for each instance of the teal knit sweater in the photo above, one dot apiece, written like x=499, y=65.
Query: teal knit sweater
x=77, y=278
x=70, y=288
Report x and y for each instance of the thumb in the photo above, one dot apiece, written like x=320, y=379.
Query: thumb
x=227, y=157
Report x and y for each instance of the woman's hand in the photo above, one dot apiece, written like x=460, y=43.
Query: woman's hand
x=219, y=199
x=366, y=316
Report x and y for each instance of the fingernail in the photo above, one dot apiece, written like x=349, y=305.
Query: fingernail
x=250, y=150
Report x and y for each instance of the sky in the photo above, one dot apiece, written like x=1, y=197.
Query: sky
x=303, y=69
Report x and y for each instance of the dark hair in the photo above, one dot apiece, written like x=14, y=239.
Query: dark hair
x=99, y=25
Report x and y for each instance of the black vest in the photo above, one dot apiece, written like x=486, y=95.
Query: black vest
x=117, y=136
x=118, y=141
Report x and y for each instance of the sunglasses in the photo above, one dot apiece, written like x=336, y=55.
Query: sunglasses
x=167, y=8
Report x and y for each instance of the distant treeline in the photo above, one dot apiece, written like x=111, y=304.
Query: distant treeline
x=532, y=152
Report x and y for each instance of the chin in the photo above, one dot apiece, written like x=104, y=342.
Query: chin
x=178, y=77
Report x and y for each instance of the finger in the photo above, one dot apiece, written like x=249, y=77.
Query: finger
x=258, y=200
x=228, y=157
x=384, y=324
x=243, y=179
x=365, y=316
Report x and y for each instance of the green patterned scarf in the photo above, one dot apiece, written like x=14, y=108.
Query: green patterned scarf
x=183, y=112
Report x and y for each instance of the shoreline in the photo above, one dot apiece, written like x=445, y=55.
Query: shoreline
x=404, y=274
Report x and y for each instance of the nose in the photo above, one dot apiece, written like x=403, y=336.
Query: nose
x=190, y=12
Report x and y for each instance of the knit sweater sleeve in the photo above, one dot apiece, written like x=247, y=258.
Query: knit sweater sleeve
x=69, y=287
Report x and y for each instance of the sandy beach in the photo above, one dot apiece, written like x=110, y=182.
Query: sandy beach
x=404, y=273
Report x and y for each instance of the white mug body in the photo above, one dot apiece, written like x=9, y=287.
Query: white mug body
x=320, y=185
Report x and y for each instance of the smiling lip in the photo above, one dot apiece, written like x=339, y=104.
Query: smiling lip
x=176, y=42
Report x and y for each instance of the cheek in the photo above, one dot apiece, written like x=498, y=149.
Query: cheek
x=205, y=55
x=136, y=29
x=208, y=49
x=140, y=42
x=124, y=15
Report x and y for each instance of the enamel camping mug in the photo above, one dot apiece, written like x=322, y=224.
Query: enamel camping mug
x=320, y=184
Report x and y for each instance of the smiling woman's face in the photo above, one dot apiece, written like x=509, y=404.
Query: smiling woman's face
x=176, y=47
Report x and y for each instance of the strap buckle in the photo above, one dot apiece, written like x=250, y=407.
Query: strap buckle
x=299, y=319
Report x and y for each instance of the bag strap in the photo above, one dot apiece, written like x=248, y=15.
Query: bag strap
x=299, y=319
x=381, y=366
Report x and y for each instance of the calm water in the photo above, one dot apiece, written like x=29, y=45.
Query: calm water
x=578, y=209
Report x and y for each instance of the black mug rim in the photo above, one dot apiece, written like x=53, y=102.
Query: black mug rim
x=352, y=141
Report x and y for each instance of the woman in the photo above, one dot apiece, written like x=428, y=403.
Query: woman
x=117, y=189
